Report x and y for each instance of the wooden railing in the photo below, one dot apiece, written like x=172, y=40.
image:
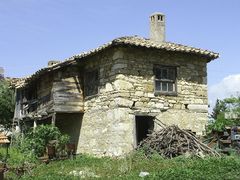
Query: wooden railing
x=34, y=104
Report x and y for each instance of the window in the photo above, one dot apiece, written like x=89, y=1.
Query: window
x=165, y=79
x=91, y=80
x=160, y=18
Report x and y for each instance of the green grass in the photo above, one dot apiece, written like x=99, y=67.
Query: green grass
x=132, y=165
x=16, y=158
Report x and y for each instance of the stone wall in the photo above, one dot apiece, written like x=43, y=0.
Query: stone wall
x=135, y=83
x=107, y=132
x=126, y=89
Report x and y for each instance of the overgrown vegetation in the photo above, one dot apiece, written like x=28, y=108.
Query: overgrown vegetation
x=24, y=153
x=222, y=107
x=131, y=166
x=36, y=140
x=7, y=103
x=17, y=162
x=17, y=158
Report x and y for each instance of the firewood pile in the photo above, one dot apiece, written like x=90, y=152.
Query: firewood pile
x=171, y=141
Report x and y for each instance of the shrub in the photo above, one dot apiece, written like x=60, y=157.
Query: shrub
x=16, y=158
x=37, y=139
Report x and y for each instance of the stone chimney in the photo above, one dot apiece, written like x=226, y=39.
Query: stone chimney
x=157, y=27
x=52, y=62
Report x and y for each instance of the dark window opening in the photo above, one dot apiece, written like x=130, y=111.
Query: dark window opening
x=47, y=121
x=160, y=18
x=144, y=126
x=91, y=81
x=165, y=79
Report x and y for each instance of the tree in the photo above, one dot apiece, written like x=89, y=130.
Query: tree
x=219, y=107
x=226, y=113
x=6, y=104
x=233, y=104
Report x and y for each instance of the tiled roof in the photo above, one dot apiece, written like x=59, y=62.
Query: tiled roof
x=168, y=46
x=147, y=43
x=128, y=41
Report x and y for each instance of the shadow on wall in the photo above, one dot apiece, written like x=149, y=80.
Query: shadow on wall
x=70, y=124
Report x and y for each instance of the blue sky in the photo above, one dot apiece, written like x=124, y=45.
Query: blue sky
x=32, y=32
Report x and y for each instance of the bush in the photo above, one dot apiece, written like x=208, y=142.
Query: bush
x=37, y=139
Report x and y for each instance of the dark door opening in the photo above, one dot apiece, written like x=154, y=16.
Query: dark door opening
x=144, y=126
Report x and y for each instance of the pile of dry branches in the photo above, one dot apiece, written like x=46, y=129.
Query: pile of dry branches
x=172, y=141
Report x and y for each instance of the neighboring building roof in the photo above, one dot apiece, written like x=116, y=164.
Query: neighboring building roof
x=127, y=40
x=14, y=81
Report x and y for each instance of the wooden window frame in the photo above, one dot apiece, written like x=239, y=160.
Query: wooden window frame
x=166, y=80
x=87, y=92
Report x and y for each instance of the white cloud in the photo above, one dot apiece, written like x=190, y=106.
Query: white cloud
x=229, y=85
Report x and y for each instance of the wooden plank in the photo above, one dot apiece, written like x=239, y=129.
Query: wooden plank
x=227, y=141
x=67, y=93
x=69, y=98
x=65, y=83
x=71, y=103
x=63, y=88
x=68, y=108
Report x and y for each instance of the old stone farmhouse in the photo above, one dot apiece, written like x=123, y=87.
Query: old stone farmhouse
x=107, y=99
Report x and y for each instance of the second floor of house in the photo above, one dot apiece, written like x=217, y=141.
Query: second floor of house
x=118, y=77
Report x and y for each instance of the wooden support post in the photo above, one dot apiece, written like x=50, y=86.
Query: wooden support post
x=54, y=119
x=34, y=124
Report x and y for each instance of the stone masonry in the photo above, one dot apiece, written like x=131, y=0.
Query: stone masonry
x=101, y=97
x=127, y=89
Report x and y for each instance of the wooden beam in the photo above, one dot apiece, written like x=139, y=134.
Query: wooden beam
x=54, y=119
x=34, y=123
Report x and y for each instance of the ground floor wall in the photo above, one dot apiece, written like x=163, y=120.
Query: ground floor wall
x=108, y=133
x=112, y=132
x=185, y=119
x=117, y=131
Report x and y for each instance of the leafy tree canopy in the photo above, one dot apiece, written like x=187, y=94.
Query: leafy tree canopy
x=6, y=104
x=222, y=107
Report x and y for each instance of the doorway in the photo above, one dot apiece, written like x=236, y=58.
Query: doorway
x=144, y=126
